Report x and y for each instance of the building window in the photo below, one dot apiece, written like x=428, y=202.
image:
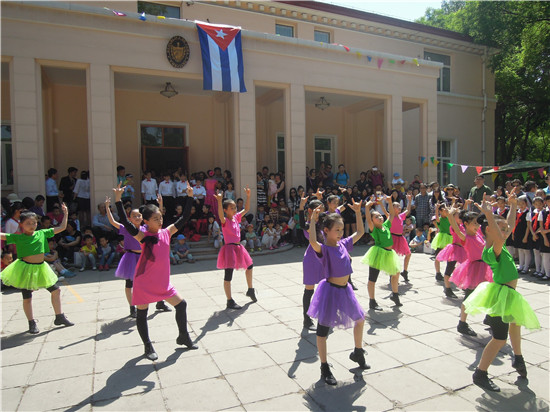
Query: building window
x=445, y=156
x=322, y=36
x=323, y=150
x=163, y=148
x=157, y=9
x=284, y=30
x=7, y=159
x=444, y=81
x=280, y=152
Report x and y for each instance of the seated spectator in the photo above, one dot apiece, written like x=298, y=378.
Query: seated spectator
x=52, y=258
x=260, y=216
x=182, y=251
x=252, y=240
x=88, y=253
x=105, y=253
x=38, y=207
x=7, y=259
x=229, y=193
x=284, y=212
x=69, y=242
x=270, y=238
x=101, y=225
x=73, y=217
x=214, y=232
x=56, y=215
x=408, y=227
x=417, y=244
x=45, y=222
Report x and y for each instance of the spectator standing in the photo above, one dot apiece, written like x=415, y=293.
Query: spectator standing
x=149, y=189
x=66, y=186
x=52, y=193
x=82, y=195
x=341, y=178
x=476, y=192
x=422, y=203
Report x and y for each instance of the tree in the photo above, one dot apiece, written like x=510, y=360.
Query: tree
x=520, y=33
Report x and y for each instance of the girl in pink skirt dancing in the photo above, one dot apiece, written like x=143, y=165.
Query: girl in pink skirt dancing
x=473, y=270
x=152, y=275
x=232, y=254
x=400, y=244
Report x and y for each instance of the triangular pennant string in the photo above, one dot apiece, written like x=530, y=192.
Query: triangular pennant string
x=464, y=168
x=494, y=176
x=391, y=61
x=436, y=162
x=369, y=58
x=415, y=61
x=432, y=159
x=422, y=158
x=380, y=61
x=541, y=172
x=495, y=167
x=450, y=165
x=479, y=169
x=524, y=174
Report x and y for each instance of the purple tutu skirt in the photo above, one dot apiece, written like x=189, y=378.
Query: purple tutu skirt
x=452, y=253
x=468, y=275
x=127, y=265
x=233, y=256
x=400, y=245
x=314, y=271
x=335, y=306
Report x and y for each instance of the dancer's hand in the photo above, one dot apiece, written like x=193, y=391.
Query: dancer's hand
x=319, y=194
x=247, y=191
x=315, y=214
x=190, y=191
x=64, y=209
x=355, y=206
x=219, y=196
x=118, y=192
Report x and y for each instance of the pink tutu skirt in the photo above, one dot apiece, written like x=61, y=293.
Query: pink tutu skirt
x=400, y=245
x=233, y=256
x=452, y=253
x=127, y=265
x=468, y=275
x=335, y=306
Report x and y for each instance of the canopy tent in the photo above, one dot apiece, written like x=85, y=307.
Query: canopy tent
x=518, y=166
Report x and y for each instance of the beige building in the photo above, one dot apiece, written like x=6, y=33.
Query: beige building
x=80, y=87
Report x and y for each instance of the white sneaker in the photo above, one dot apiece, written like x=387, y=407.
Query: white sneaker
x=81, y=270
x=60, y=278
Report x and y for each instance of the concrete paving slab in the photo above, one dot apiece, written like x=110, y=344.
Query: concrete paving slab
x=242, y=359
x=205, y=395
x=271, y=333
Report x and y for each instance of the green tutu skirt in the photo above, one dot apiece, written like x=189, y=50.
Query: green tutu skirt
x=494, y=299
x=441, y=240
x=28, y=276
x=382, y=259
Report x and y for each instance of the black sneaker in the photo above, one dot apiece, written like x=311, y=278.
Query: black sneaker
x=373, y=305
x=450, y=294
x=405, y=275
x=150, y=352
x=481, y=379
x=465, y=329
x=519, y=365
x=395, y=298
x=163, y=307
x=251, y=294
x=133, y=313
x=439, y=277
x=62, y=320
x=359, y=357
x=327, y=375
x=231, y=304
x=33, y=328
x=186, y=340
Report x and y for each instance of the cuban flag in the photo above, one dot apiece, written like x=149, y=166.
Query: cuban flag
x=222, y=57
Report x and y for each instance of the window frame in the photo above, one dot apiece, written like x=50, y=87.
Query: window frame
x=443, y=170
x=162, y=4
x=315, y=31
x=332, y=151
x=185, y=147
x=285, y=25
x=4, y=174
x=445, y=69
x=280, y=153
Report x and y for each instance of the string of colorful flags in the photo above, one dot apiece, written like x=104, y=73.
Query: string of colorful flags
x=370, y=58
x=424, y=161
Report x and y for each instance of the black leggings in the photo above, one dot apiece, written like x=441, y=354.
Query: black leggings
x=450, y=267
x=229, y=273
x=27, y=294
x=129, y=283
x=373, y=274
x=499, y=329
x=322, y=331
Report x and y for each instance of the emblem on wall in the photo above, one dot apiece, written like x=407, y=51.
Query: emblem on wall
x=177, y=51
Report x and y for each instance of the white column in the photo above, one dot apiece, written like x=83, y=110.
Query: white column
x=295, y=136
x=101, y=132
x=396, y=136
x=244, y=158
x=27, y=131
x=431, y=137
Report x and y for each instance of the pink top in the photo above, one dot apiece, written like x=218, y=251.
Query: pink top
x=456, y=239
x=397, y=223
x=231, y=229
x=210, y=185
x=152, y=276
x=474, y=246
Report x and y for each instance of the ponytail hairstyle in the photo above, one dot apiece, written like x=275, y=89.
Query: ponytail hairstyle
x=314, y=204
x=468, y=217
x=149, y=211
x=329, y=220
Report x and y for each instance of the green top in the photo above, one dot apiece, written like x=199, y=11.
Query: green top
x=382, y=237
x=444, y=225
x=34, y=244
x=477, y=194
x=503, y=266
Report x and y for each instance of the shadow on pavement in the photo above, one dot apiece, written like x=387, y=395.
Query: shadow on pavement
x=511, y=400
x=336, y=398
x=219, y=318
x=305, y=352
x=122, y=325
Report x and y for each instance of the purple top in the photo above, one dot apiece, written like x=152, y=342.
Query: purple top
x=130, y=243
x=336, y=259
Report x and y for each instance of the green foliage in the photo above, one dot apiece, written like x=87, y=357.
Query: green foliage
x=518, y=33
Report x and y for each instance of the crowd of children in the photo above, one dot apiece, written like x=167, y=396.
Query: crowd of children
x=478, y=240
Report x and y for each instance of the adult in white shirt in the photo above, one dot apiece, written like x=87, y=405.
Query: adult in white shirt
x=149, y=189
x=82, y=194
x=167, y=190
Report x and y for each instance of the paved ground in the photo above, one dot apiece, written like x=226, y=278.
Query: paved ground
x=259, y=358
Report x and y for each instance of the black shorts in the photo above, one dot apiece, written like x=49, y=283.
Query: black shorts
x=499, y=329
